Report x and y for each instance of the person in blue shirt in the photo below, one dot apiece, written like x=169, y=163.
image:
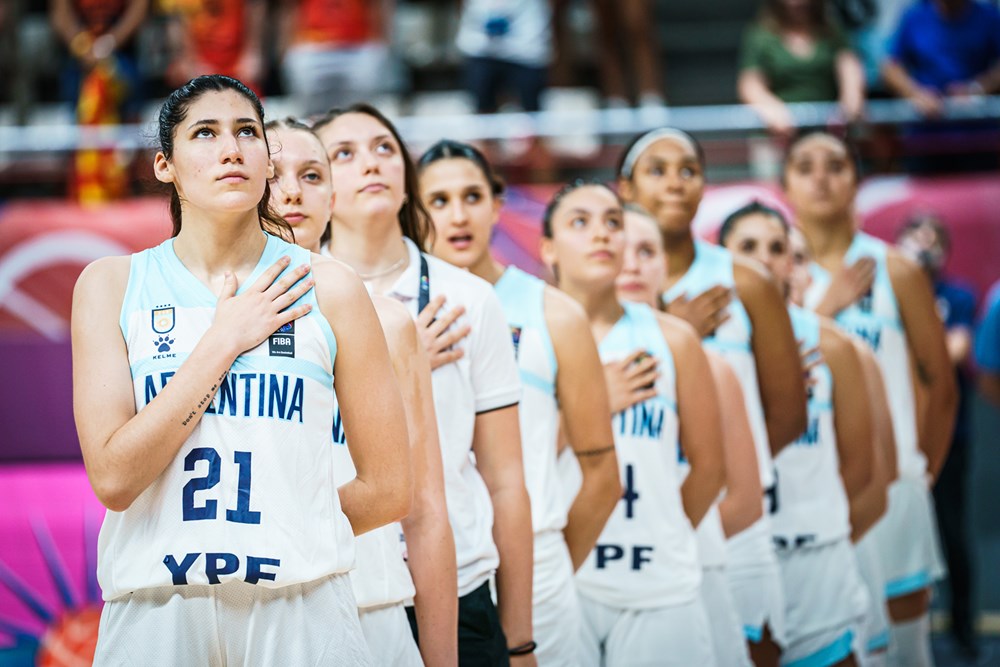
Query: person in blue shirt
x=925, y=239
x=988, y=348
x=946, y=49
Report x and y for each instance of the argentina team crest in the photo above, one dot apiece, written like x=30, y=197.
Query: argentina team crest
x=515, y=336
x=163, y=319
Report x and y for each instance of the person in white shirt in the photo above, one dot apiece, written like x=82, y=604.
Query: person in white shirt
x=380, y=228
x=561, y=373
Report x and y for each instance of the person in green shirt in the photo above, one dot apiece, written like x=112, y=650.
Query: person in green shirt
x=795, y=52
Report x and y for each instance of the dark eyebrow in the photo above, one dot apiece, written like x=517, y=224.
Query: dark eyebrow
x=213, y=121
x=615, y=210
x=382, y=137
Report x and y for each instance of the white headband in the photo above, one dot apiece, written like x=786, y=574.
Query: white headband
x=647, y=140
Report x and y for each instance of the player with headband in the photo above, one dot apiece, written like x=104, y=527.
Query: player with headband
x=740, y=314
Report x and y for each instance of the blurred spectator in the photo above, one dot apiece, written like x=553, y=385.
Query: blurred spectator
x=858, y=18
x=947, y=48
x=988, y=348
x=628, y=47
x=100, y=31
x=925, y=240
x=216, y=37
x=796, y=52
x=507, y=45
x=336, y=52
x=944, y=48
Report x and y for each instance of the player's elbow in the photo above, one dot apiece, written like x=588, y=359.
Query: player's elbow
x=398, y=498
x=112, y=493
x=608, y=484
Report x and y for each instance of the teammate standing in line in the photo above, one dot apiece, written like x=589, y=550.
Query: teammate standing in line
x=640, y=587
x=823, y=473
x=740, y=313
x=643, y=274
x=227, y=538
x=380, y=228
x=871, y=504
x=895, y=315
x=302, y=194
x=560, y=371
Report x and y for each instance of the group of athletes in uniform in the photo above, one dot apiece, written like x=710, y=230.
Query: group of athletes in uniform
x=681, y=454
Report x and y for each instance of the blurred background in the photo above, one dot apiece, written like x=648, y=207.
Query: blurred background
x=551, y=90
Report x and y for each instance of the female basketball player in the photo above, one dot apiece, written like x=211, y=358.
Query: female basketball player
x=302, y=193
x=379, y=228
x=203, y=371
x=643, y=274
x=823, y=473
x=740, y=313
x=872, y=503
x=557, y=357
x=895, y=314
x=639, y=588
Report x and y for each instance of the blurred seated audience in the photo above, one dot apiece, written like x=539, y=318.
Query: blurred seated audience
x=335, y=52
x=216, y=37
x=797, y=52
x=508, y=46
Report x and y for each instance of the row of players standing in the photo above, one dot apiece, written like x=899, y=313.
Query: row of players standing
x=643, y=593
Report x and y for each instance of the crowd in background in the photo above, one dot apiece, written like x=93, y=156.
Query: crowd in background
x=333, y=52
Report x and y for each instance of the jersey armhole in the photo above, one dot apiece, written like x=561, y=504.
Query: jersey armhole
x=133, y=287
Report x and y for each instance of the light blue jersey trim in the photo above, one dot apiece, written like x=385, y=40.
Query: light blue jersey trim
x=830, y=654
x=753, y=633
x=522, y=297
x=879, y=642
x=299, y=367
x=908, y=584
x=529, y=378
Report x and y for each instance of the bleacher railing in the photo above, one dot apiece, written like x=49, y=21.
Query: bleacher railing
x=703, y=120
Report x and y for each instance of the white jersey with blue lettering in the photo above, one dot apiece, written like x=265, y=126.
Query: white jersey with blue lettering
x=252, y=493
x=812, y=506
x=522, y=297
x=646, y=555
x=380, y=576
x=713, y=266
x=875, y=319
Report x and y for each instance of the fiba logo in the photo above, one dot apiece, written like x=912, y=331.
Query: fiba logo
x=515, y=336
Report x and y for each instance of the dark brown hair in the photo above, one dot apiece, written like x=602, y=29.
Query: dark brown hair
x=447, y=149
x=774, y=16
x=174, y=111
x=414, y=220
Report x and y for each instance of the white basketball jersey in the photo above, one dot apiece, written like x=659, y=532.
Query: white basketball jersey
x=252, y=494
x=522, y=297
x=646, y=555
x=380, y=576
x=875, y=319
x=714, y=266
x=812, y=507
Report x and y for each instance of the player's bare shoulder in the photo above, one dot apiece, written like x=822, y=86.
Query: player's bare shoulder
x=397, y=325
x=103, y=280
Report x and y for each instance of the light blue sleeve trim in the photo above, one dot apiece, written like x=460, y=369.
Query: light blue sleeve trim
x=132, y=289
x=830, y=654
x=530, y=379
x=878, y=643
x=753, y=633
x=306, y=369
x=908, y=584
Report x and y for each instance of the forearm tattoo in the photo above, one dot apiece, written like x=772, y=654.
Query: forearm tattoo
x=206, y=399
